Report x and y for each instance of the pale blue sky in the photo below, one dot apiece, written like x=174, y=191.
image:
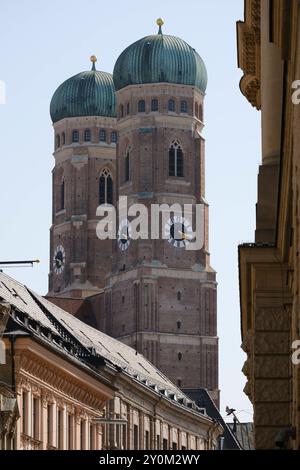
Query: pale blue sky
x=44, y=43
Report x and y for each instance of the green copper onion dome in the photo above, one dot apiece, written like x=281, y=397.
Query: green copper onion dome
x=90, y=93
x=160, y=58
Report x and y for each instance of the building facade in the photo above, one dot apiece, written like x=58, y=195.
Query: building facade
x=269, y=51
x=77, y=388
x=152, y=294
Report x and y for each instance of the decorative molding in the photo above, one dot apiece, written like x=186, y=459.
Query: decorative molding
x=249, y=40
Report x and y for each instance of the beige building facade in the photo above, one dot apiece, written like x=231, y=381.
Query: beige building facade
x=269, y=51
x=78, y=389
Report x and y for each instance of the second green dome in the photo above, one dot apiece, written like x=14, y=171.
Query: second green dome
x=160, y=58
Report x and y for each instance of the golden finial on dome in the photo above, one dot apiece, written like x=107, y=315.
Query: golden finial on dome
x=159, y=23
x=93, y=59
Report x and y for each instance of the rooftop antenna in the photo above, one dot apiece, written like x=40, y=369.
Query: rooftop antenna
x=18, y=264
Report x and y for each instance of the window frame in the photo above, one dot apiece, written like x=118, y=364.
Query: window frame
x=87, y=132
x=141, y=106
x=154, y=100
x=102, y=135
x=104, y=178
x=171, y=106
x=176, y=160
x=75, y=132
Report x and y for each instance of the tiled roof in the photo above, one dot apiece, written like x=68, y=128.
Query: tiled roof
x=81, y=342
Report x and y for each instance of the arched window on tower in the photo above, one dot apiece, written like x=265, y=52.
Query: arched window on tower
x=171, y=106
x=127, y=166
x=183, y=107
x=128, y=108
x=87, y=135
x=105, y=187
x=196, y=109
x=63, y=138
x=141, y=106
x=57, y=143
x=121, y=110
x=102, y=135
x=154, y=104
x=75, y=136
x=114, y=137
x=62, y=195
x=200, y=114
x=176, y=160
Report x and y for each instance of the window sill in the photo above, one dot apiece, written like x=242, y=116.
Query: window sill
x=61, y=212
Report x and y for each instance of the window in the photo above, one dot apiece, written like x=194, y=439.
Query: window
x=179, y=382
x=63, y=138
x=59, y=428
x=165, y=444
x=105, y=187
x=171, y=106
x=147, y=440
x=49, y=424
x=24, y=412
x=102, y=135
x=82, y=435
x=178, y=295
x=200, y=114
x=135, y=437
x=127, y=167
x=57, y=141
x=141, y=106
x=62, y=195
x=114, y=137
x=121, y=110
x=179, y=356
x=175, y=160
x=75, y=136
x=70, y=432
x=91, y=437
x=196, y=109
x=154, y=105
x=87, y=135
x=183, y=107
x=36, y=416
x=128, y=108
x=178, y=325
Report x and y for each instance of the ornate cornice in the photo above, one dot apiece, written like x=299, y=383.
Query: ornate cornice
x=33, y=373
x=249, y=39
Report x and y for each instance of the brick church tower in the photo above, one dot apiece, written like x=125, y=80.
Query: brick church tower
x=153, y=295
x=83, y=114
x=161, y=298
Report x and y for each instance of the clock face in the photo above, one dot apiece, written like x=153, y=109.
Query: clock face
x=124, y=235
x=59, y=259
x=178, y=232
